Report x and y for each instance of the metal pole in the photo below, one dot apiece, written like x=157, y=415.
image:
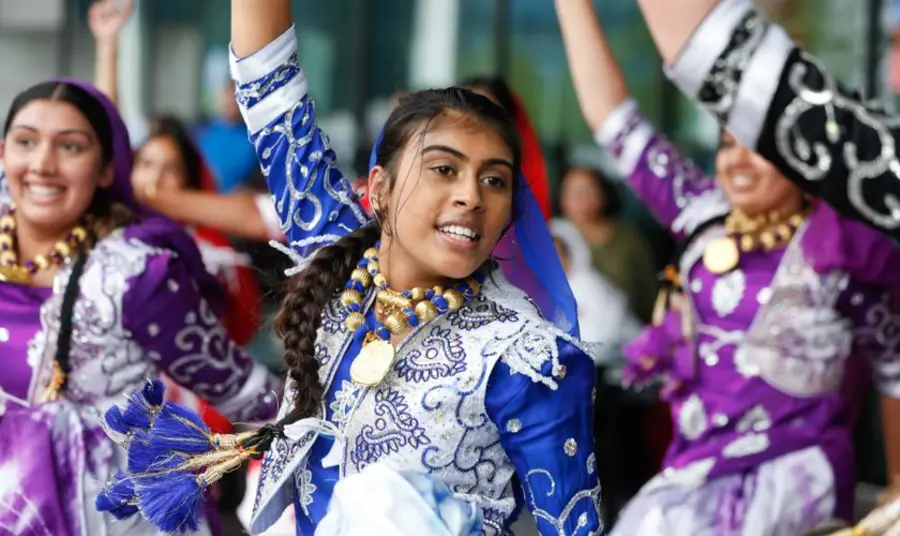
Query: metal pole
x=874, y=41
x=502, y=36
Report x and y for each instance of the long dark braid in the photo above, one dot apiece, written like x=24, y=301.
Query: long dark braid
x=301, y=313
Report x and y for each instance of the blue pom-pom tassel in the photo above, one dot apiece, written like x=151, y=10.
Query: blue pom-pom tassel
x=153, y=392
x=181, y=430
x=172, y=501
x=118, y=498
x=115, y=420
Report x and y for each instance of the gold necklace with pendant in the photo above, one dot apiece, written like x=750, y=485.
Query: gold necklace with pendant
x=746, y=234
x=401, y=311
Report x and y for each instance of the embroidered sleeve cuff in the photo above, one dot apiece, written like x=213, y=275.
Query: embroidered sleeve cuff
x=624, y=135
x=265, y=60
x=758, y=86
x=708, y=42
x=269, y=82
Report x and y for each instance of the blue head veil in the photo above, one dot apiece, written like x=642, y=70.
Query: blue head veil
x=527, y=255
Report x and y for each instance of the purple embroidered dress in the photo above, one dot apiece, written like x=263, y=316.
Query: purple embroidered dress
x=782, y=350
x=145, y=305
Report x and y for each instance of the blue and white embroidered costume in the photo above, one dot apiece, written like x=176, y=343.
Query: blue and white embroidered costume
x=492, y=399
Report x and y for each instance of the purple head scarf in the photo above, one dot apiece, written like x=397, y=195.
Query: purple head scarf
x=151, y=227
x=120, y=191
x=528, y=257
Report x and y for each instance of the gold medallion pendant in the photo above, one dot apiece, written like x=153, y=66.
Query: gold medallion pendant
x=721, y=255
x=373, y=363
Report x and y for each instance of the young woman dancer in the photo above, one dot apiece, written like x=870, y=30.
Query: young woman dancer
x=786, y=306
x=406, y=345
x=781, y=101
x=95, y=296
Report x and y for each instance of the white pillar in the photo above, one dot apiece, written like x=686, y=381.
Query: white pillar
x=433, y=48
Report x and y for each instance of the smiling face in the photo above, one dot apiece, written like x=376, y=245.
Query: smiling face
x=752, y=184
x=447, y=203
x=54, y=164
x=159, y=163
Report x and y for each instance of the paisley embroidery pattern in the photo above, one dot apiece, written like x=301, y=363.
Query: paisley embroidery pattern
x=441, y=355
x=394, y=427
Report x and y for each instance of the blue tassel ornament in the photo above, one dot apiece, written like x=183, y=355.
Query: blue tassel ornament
x=171, y=501
x=153, y=392
x=143, y=405
x=118, y=498
x=116, y=421
x=180, y=429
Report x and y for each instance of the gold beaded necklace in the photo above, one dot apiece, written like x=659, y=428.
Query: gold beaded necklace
x=10, y=269
x=747, y=234
x=400, y=310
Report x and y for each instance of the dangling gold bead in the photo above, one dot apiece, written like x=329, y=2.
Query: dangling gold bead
x=373, y=267
x=362, y=276
x=41, y=262
x=7, y=257
x=379, y=280
x=426, y=311
x=768, y=240
x=748, y=244
x=438, y=290
x=354, y=321
x=417, y=294
x=6, y=240
x=8, y=221
x=784, y=232
x=454, y=298
x=796, y=220
x=370, y=253
x=79, y=233
x=395, y=323
x=774, y=216
x=63, y=249
x=350, y=296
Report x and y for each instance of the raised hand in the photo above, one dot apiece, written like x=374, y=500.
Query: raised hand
x=106, y=18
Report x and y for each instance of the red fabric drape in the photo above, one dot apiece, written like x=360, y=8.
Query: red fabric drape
x=533, y=165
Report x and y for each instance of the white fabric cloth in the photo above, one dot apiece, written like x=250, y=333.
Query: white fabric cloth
x=380, y=501
x=603, y=312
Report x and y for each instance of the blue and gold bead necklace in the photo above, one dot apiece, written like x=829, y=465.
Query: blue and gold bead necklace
x=401, y=311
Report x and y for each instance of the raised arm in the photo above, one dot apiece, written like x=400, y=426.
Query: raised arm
x=781, y=102
x=315, y=203
x=242, y=214
x=106, y=18
x=670, y=26
x=661, y=177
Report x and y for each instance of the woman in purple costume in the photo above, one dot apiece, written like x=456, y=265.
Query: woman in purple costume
x=787, y=308
x=96, y=297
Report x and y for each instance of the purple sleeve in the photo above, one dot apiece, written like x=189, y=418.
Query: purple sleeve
x=169, y=318
x=876, y=332
x=663, y=179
